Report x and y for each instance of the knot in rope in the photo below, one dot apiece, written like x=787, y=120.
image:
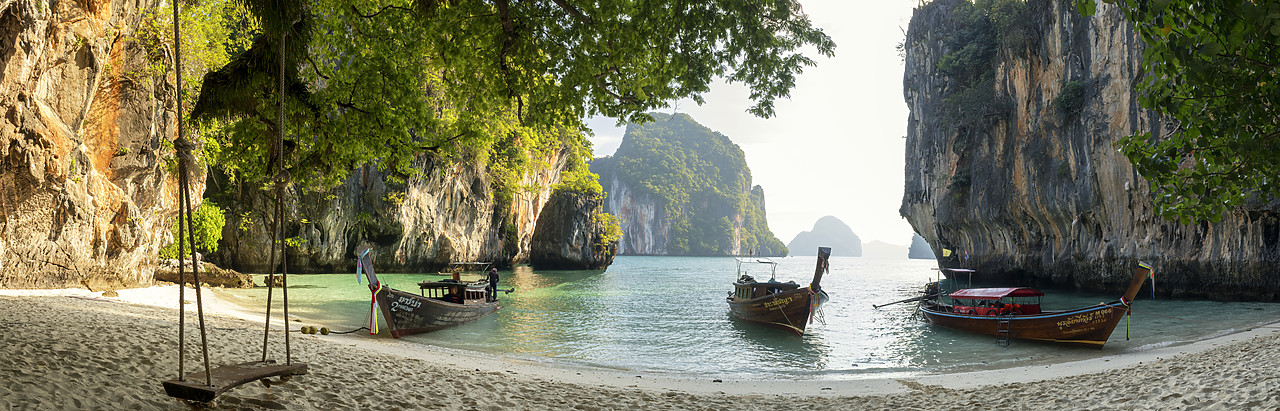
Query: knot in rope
x=183, y=145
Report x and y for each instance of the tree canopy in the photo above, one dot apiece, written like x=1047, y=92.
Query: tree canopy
x=385, y=80
x=1212, y=70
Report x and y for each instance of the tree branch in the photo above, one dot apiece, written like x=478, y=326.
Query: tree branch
x=573, y=11
x=376, y=13
x=436, y=147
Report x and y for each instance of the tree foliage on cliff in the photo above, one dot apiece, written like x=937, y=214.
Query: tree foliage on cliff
x=975, y=37
x=701, y=179
x=389, y=79
x=1213, y=69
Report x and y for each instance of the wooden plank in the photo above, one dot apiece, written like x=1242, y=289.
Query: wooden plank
x=193, y=387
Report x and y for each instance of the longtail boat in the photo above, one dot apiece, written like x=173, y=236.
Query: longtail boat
x=783, y=305
x=441, y=304
x=1014, y=313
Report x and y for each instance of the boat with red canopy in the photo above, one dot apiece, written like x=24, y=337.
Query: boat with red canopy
x=1009, y=313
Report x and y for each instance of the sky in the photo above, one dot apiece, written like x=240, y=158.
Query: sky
x=837, y=146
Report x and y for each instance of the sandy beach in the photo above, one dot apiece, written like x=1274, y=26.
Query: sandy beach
x=75, y=349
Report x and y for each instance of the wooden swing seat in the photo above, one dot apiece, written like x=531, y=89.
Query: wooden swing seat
x=193, y=387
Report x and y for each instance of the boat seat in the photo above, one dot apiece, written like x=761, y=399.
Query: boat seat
x=193, y=388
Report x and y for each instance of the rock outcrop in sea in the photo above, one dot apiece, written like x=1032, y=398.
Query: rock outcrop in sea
x=568, y=237
x=1024, y=175
x=919, y=249
x=828, y=231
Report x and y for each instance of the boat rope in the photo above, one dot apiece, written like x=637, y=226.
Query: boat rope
x=373, y=310
x=348, y=332
x=784, y=315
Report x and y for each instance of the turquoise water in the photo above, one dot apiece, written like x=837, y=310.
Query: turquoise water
x=668, y=314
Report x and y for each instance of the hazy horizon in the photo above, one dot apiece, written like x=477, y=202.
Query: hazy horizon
x=837, y=146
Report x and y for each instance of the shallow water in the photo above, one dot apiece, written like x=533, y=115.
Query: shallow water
x=668, y=314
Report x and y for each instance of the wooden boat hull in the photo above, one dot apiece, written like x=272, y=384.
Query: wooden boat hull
x=1089, y=326
x=788, y=310
x=408, y=313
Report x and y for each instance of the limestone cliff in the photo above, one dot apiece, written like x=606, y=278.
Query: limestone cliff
x=447, y=213
x=567, y=235
x=679, y=188
x=1036, y=193
x=85, y=199
x=645, y=229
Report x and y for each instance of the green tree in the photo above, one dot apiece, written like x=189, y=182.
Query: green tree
x=207, y=221
x=1212, y=70
x=386, y=80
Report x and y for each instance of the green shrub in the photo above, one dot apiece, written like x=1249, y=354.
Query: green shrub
x=612, y=230
x=207, y=222
x=1070, y=99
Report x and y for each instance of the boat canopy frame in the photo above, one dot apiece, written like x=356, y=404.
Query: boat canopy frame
x=992, y=294
x=756, y=262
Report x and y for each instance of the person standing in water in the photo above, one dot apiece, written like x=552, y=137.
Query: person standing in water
x=493, y=284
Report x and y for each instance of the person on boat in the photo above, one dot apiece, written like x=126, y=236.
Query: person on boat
x=493, y=284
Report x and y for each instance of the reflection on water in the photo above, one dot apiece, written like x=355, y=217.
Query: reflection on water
x=668, y=314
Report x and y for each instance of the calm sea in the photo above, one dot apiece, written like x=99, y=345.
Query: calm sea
x=668, y=314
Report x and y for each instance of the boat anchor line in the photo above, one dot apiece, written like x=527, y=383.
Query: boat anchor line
x=789, y=323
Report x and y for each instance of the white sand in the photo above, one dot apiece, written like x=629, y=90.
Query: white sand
x=73, y=349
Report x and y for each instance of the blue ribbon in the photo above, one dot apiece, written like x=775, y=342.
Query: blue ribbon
x=359, y=266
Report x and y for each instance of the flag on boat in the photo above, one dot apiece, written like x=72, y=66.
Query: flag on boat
x=946, y=252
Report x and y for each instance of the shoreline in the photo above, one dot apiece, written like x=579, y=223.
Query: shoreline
x=349, y=354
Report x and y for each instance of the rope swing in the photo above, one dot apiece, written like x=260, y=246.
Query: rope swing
x=219, y=380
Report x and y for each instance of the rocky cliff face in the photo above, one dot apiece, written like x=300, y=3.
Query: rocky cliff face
x=446, y=214
x=84, y=196
x=645, y=230
x=1040, y=195
x=567, y=237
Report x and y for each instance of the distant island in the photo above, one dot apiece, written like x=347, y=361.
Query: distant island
x=881, y=249
x=920, y=249
x=827, y=232
x=680, y=188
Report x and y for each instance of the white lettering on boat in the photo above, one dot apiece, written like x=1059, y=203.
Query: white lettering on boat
x=405, y=304
x=777, y=304
x=1089, y=318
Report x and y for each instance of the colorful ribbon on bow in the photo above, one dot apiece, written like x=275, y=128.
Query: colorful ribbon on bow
x=373, y=311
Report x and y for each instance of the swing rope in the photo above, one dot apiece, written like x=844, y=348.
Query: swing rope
x=186, y=232
x=281, y=180
x=277, y=230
